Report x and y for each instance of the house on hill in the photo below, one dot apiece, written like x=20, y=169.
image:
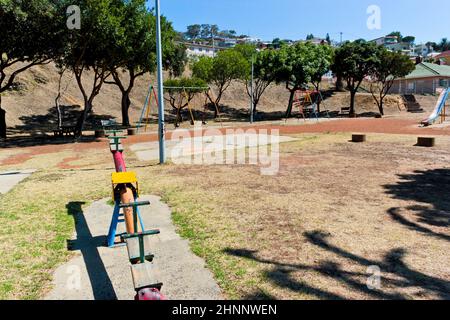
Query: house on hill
x=443, y=58
x=425, y=79
x=198, y=50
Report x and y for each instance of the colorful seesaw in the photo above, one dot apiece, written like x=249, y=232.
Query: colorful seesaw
x=125, y=194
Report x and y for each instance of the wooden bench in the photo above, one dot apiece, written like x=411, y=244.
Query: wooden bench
x=345, y=111
x=65, y=131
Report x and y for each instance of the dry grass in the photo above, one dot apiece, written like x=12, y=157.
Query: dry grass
x=310, y=232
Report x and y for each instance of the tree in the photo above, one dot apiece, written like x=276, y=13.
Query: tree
x=409, y=39
x=175, y=58
x=397, y=34
x=89, y=48
x=354, y=61
x=266, y=68
x=389, y=66
x=214, y=29
x=310, y=37
x=135, y=53
x=205, y=31
x=444, y=45
x=193, y=31
x=30, y=36
x=297, y=68
x=181, y=92
x=226, y=66
x=133, y=50
x=328, y=39
x=321, y=64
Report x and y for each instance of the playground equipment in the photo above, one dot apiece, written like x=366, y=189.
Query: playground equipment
x=147, y=107
x=307, y=102
x=183, y=96
x=439, y=110
x=125, y=194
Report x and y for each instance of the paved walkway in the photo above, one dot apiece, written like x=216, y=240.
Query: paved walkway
x=98, y=272
x=9, y=179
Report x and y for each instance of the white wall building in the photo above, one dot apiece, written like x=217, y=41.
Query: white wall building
x=199, y=50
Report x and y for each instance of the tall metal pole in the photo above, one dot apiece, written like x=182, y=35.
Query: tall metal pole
x=161, y=124
x=251, y=91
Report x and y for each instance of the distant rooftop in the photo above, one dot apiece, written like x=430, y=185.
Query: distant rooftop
x=429, y=70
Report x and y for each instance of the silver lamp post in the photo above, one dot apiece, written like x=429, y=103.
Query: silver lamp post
x=161, y=124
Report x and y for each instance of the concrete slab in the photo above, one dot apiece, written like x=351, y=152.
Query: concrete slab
x=9, y=179
x=104, y=273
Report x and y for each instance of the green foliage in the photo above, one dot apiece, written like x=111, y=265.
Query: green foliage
x=93, y=47
x=322, y=60
x=226, y=66
x=397, y=34
x=391, y=65
x=388, y=67
x=193, y=31
x=202, y=68
x=175, y=58
x=266, y=67
x=247, y=50
x=189, y=85
x=29, y=35
x=133, y=45
x=354, y=61
x=180, y=92
x=443, y=45
x=409, y=39
x=297, y=65
x=132, y=49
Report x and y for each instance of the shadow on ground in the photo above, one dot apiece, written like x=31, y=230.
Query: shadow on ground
x=395, y=274
x=430, y=189
x=88, y=245
x=37, y=130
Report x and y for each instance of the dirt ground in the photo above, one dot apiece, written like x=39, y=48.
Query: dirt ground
x=334, y=212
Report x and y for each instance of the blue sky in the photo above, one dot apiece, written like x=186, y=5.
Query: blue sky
x=294, y=19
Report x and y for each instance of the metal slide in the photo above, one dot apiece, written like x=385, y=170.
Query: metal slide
x=438, y=109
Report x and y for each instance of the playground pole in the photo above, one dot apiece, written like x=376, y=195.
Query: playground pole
x=251, y=91
x=161, y=125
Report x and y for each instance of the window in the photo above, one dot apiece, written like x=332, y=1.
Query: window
x=444, y=83
x=411, y=85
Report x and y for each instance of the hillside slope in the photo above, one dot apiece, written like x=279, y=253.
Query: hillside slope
x=31, y=106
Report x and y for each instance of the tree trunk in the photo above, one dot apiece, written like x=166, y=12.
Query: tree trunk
x=2, y=120
x=291, y=102
x=57, y=106
x=318, y=98
x=380, y=106
x=82, y=119
x=352, y=102
x=126, y=102
x=339, y=83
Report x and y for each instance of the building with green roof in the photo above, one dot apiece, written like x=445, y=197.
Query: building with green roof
x=425, y=79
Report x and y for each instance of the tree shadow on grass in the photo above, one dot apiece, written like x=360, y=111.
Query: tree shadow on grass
x=395, y=273
x=37, y=129
x=88, y=246
x=430, y=189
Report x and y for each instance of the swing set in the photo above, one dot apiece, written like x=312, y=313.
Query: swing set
x=307, y=102
x=184, y=99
